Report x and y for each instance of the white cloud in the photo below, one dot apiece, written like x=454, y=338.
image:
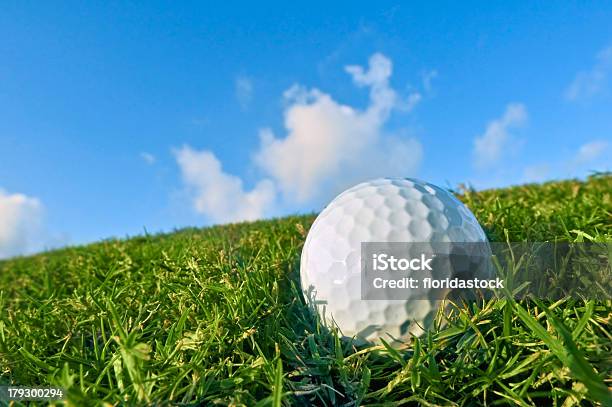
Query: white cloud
x=588, y=83
x=219, y=195
x=489, y=148
x=589, y=152
x=589, y=156
x=329, y=145
x=20, y=224
x=243, y=88
x=148, y=158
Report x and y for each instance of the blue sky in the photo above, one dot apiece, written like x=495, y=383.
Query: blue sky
x=118, y=117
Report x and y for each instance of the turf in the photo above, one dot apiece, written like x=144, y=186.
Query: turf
x=214, y=316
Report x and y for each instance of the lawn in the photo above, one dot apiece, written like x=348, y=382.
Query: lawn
x=215, y=316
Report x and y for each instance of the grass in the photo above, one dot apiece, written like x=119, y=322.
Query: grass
x=214, y=316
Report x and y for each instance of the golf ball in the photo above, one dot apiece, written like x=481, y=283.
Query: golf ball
x=381, y=210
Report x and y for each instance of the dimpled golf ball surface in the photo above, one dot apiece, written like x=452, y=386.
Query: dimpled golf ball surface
x=382, y=210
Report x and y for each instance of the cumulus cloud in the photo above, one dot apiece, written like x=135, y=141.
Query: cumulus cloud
x=243, y=87
x=489, y=148
x=588, y=83
x=328, y=144
x=20, y=224
x=589, y=152
x=219, y=195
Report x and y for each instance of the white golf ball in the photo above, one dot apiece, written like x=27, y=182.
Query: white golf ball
x=382, y=210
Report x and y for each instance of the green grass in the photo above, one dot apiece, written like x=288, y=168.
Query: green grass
x=214, y=316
